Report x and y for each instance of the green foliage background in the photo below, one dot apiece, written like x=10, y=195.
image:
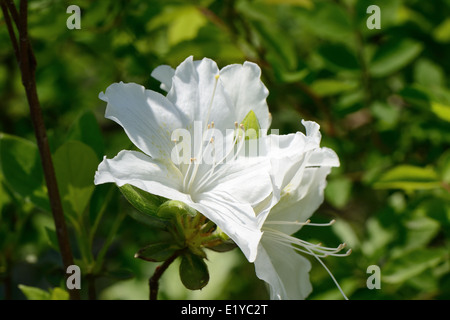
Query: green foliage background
x=381, y=97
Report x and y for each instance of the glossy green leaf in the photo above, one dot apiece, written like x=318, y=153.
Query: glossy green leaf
x=408, y=178
x=75, y=165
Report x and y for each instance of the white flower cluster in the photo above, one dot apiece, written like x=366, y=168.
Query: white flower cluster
x=206, y=144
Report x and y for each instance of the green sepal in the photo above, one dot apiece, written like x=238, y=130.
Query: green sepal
x=157, y=252
x=221, y=246
x=147, y=204
x=251, y=126
x=173, y=208
x=220, y=242
x=193, y=271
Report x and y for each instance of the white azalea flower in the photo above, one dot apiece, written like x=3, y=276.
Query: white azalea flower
x=299, y=180
x=198, y=92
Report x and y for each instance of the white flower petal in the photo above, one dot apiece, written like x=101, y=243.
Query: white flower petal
x=286, y=272
x=164, y=74
x=137, y=169
x=301, y=202
x=246, y=180
x=233, y=218
x=243, y=85
x=147, y=117
x=197, y=93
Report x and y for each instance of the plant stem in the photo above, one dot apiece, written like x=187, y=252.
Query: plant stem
x=153, y=282
x=27, y=64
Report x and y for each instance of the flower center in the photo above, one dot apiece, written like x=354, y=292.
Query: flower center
x=210, y=151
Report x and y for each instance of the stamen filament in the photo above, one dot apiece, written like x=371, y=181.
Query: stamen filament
x=298, y=223
x=311, y=249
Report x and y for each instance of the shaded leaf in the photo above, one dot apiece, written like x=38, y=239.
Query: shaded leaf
x=22, y=169
x=393, y=56
x=75, y=166
x=411, y=264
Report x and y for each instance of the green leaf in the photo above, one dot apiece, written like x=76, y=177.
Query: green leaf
x=32, y=293
x=251, y=126
x=157, y=252
x=408, y=178
x=441, y=110
x=22, y=169
x=429, y=74
x=52, y=238
x=329, y=21
x=329, y=87
x=411, y=264
x=338, y=192
x=419, y=232
x=339, y=57
x=59, y=294
x=182, y=22
x=300, y=3
x=394, y=56
x=87, y=130
x=75, y=166
x=193, y=272
x=442, y=32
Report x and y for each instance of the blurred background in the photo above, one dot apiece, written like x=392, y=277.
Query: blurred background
x=381, y=97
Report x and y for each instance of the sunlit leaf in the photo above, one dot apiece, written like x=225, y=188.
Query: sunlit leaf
x=329, y=87
x=441, y=110
x=33, y=293
x=408, y=178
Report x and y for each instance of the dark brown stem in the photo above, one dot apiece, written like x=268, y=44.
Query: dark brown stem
x=27, y=64
x=153, y=282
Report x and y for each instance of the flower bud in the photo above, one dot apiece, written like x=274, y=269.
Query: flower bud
x=193, y=271
x=173, y=208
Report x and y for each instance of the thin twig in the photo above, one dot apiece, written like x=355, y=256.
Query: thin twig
x=153, y=282
x=27, y=65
